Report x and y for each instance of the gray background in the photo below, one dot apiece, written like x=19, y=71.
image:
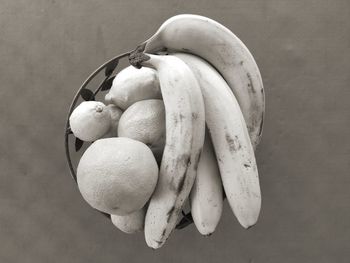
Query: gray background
x=303, y=50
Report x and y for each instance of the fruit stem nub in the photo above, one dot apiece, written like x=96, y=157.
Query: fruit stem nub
x=137, y=56
x=99, y=108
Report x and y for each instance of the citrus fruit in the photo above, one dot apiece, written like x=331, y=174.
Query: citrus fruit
x=145, y=121
x=90, y=120
x=130, y=223
x=131, y=85
x=117, y=175
x=115, y=113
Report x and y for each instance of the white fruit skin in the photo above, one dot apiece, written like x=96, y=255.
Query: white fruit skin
x=231, y=142
x=131, y=223
x=185, y=128
x=131, y=85
x=206, y=196
x=116, y=113
x=215, y=43
x=97, y=112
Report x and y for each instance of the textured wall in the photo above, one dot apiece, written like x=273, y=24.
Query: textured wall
x=49, y=47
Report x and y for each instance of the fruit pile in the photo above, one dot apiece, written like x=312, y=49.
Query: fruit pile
x=178, y=125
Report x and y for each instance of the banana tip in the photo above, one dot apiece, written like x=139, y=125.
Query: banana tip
x=249, y=225
x=154, y=244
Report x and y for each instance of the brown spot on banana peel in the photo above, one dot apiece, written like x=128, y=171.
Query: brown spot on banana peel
x=170, y=213
x=197, y=158
x=246, y=228
x=172, y=186
x=183, y=160
x=163, y=233
x=261, y=124
x=233, y=144
x=182, y=117
x=181, y=182
x=175, y=119
x=230, y=142
x=158, y=242
x=194, y=116
x=250, y=84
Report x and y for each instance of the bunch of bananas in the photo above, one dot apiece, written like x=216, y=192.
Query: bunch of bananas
x=215, y=82
x=214, y=108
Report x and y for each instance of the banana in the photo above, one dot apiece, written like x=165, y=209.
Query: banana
x=215, y=43
x=131, y=223
x=206, y=196
x=185, y=129
x=131, y=85
x=231, y=141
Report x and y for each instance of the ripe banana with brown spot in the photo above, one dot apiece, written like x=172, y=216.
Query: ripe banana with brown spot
x=185, y=129
x=231, y=141
x=215, y=43
x=206, y=196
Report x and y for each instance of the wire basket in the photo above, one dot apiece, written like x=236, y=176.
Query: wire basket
x=86, y=94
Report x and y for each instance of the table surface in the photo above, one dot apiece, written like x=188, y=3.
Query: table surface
x=49, y=47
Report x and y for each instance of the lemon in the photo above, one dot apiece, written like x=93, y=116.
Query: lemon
x=90, y=120
x=145, y=121
x=131, y=85
x=117, y=175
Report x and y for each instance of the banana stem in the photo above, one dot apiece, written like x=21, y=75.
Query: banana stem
x=137, y=57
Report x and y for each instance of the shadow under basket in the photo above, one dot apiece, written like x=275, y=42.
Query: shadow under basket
x=107, y=70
